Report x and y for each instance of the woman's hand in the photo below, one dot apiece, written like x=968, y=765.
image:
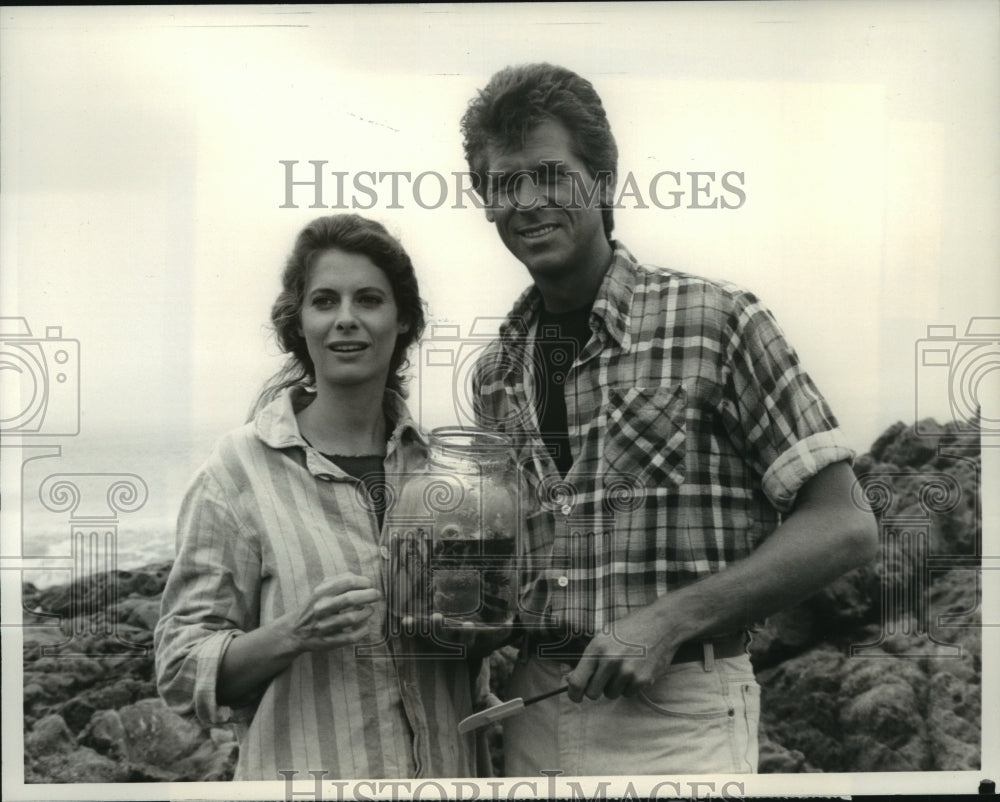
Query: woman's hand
x=336, y=614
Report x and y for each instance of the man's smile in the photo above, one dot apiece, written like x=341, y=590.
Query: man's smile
x=536, y=231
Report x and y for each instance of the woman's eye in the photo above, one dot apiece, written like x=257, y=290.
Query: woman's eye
x=370, y=300
x=323, y=301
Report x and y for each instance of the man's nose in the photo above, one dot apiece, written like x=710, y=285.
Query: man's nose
x=526, y=192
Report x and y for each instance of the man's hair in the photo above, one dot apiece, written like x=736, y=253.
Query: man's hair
x=517, y=99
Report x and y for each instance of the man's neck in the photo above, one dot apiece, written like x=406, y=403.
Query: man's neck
x=577, y=287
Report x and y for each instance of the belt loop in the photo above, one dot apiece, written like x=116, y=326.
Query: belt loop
x=709, y=654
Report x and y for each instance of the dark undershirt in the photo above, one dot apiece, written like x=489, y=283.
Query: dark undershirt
x=559, y=340
x=370, y=470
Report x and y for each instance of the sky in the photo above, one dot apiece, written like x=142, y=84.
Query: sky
x=143, y=182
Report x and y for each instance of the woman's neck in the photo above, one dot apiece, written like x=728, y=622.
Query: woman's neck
x=346, y=421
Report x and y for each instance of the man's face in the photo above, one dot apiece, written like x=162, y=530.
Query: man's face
x=545, y=203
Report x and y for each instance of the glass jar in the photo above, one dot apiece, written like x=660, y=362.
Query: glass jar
x=452, y=533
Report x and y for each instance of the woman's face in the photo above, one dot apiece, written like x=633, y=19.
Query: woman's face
x=349, y=319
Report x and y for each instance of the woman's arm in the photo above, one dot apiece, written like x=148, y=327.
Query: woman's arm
x=336, y=615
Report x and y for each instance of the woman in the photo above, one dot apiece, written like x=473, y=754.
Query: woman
x=279, y=574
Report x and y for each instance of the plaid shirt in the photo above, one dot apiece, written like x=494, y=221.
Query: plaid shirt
x=692, y=427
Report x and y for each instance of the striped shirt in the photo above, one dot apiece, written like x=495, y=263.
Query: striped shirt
x=692, y=427
x=265, y=521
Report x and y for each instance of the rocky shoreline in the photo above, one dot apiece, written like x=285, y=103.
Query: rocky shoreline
x=91, y=711
x=908, y=699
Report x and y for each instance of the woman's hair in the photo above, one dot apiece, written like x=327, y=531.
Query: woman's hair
x=354, y=234
x=517, y=99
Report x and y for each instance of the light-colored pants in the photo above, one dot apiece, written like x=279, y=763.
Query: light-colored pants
x=698, y=718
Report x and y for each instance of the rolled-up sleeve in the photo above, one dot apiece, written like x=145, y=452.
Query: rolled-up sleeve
x=787, y=428
x=212, y=595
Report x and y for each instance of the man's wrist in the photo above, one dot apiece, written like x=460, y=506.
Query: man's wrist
x=685, y=619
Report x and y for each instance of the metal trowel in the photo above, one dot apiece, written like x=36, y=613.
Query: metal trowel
x=502, y=711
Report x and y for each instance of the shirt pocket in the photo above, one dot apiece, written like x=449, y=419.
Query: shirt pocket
x=646, y=433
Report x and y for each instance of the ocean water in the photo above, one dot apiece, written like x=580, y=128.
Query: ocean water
x=100, y=503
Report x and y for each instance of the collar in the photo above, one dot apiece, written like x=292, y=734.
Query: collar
x=276, y=426
x=611, y=308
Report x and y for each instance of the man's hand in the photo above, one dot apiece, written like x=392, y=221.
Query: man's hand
x=626, y=661
x=825, y=535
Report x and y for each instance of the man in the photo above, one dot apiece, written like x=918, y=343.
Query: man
x=692, y=479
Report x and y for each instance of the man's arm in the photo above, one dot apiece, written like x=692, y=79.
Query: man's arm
x=825, y=536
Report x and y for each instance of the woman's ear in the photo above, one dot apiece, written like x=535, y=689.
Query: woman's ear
x=403, y=327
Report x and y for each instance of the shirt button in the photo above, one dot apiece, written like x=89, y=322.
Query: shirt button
x=566, y=509
x=562, y=581
x=384, y=551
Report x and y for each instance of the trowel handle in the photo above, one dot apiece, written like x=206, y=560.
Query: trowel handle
x=546, y=695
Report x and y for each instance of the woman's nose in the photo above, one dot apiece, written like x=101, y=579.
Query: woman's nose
x=345, y=318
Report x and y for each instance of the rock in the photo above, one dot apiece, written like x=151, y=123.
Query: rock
x=908, y=448
x=851, y=601
x=106, y=734
x=123, y=692
x=49, y=736
x=800, y=706
x=33, y=693
x=213, y=762
x=77, y=713
x=885, y=440
x=775, y=759
x=92, y=593
x=884, y=730
x=953, y=717
x=50, y=687
x=164, y=746
x=139, y=612
x=156, y=735
x=91, y=709
x=783, y=635
x=82, y=765
x=37, y=639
